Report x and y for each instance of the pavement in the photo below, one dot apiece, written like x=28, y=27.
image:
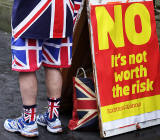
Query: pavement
x=10, y=105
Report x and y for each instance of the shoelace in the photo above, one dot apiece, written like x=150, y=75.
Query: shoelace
x=14, y=123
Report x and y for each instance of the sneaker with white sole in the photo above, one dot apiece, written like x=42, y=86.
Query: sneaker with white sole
x=19, y=125
x=52, y=126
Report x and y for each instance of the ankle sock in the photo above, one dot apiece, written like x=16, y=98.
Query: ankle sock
x=29, y=113
x=53, y=108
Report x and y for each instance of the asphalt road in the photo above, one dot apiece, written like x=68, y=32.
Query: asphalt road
x=10, y=105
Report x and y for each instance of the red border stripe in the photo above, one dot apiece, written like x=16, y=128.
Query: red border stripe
x=32, y=19
x=51, y=111
x=59, y=18
x=86, y=104
x=48, y=57
x=84, y=89
x=88, y=118
x=64, y=55
x=32, y=114
x=72, y=6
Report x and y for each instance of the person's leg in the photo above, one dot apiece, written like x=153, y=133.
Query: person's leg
x=26, y=124
x=25, y=62
x=28, y=90
x=57, y=54
x=53, y=79
x=28, y=87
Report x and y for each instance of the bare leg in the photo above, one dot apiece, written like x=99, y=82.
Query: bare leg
x=53, y=80
x=28, y=87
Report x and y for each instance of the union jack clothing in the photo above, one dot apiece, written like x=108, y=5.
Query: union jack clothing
x=29, y=54
x=42, y=19
x=53, y=108
x=29, y=114
x=78, y=6
x=85, y=107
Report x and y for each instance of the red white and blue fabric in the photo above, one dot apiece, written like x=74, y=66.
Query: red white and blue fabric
x=84, y=104
x=29, y=54
x=78, y=5
x=29, y=115
x=53, y=109
x=42, y=19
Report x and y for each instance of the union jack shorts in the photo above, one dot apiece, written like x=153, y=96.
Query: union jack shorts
x=29, y=54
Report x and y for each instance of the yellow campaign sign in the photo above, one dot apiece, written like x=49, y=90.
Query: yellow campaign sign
x=114, y=27
x=109, y=26
x=126, y=58
x=130, y=108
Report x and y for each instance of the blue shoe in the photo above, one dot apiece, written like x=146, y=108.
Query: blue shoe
x=52, y=126
x=18, y=125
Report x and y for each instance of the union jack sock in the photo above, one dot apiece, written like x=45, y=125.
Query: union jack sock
x=53, y=108
x=29, y=114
